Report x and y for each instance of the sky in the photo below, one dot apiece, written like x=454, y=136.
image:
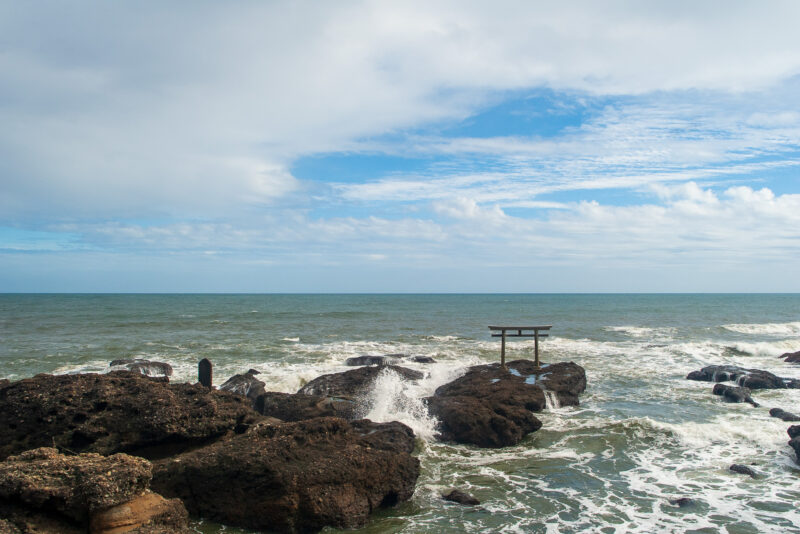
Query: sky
x=415, y=146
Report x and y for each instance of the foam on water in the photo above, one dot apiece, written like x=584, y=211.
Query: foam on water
x=777, y=329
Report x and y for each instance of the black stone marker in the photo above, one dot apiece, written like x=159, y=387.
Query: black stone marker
x=204, y=372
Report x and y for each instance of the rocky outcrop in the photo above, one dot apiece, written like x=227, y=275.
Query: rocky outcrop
x=743, y=470
x=794, y=442
x=298, y=407
x=492, y=406
x=734, y=394
x=144, y=367
x=115, y=412
x=460, y=497
x=749, y=378
x=373, y=360
x=44, y=491
x=355, y=383
x=246, y=385
x=784, y=415
x=295, y=477
x=791, y=357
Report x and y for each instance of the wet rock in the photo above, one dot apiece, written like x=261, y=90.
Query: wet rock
x=44, y=491
x=784, y=415
x=421, y=359
x=370, y=360
x=492, y=407
x=734, y=394
x=354, y=383
x=793, y=431
x=749, y=378
x=247, y=385
x=683, y=502
x=791, y=357
x=298, y=407
x=743, y=470
x=117, y=412
x=295, y=477
x=144, y=367
x=460, y=497
x=794, y=443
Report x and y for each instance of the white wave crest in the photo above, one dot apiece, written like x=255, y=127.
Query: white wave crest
x=776, y=329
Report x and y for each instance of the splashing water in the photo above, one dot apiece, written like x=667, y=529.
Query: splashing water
x=551, y=401
x=392, y=398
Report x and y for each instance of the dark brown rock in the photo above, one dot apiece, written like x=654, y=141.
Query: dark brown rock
x=793, y=431
x=794, y=443
x=683, y=502
x=149, y=513
x=144, y=367
x=460, y=497
x=295, y=477
x=298, y=407
x=492, y=407
x=370, y=360
x=743, y=470
x=734, y=394
x=246, y=385
x=116, y=412
x=791, y=357
x=749, y=378
x=784, y=415
x=354, y=383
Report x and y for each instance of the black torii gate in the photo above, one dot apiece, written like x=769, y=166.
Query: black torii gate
x=521, y=331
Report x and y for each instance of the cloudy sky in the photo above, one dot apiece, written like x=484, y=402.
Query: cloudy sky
x=404, y=146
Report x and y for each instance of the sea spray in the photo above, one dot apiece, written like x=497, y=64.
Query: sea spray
x=391, y=398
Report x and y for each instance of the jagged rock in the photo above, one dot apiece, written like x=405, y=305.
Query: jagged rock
x=461, y=498
x=743, y=470
x=144, y=367
x=492, y=407
x=749, y=378
x=247, y=385
x=370, y=360
x=784, y=415
x=295, y=477
x=794, y=442
x=59, y=493
x=791, y=357
x=120, y=411
x=734, y=394
x=683, y=502
x=298, y=407
x=421, y=359
x=354, y=383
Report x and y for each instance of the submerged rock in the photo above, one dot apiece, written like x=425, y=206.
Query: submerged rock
x=493, y=407
x=791, y=357
x=460, y=497
x=298, y=407
x=144, y=367
x=749, y=378
x=743, y=470
x=683, y=502
x=784, y=415
x=371, y=360
x=734, y=394
x=794, y=442
x=354, y=383
x=295, y=477
x=117, y=412
x=421, y=359
x=247, y=385
x=58, y=493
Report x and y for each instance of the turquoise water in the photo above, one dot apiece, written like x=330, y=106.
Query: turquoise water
x=643, y=434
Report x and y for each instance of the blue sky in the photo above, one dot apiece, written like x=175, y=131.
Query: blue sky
x=406, y=147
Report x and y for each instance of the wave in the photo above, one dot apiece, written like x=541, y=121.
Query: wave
x=776, y=329
x=643, y=331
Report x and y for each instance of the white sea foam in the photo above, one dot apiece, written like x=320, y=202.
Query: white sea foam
x=659, y=333
x=778, y=329
x=391, y=398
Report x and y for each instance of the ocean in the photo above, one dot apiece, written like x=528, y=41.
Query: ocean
x=643, y=434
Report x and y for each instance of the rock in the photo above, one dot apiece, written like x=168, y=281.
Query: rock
x=44, y=491
x=149, y=512
x=794, y=443
x=793, y=431
x=743, y=470
x=354, y=383
x=492, y=407
x=298, y=407
x=791, y=357
x=421, y=359
x=683, y=502
x=370, y=360
x=734, y=394
x=247, y=385
x=295, y=477
x=783, y=415
x=749, y=378
x=145, y=367
x=120, y=411
x=7, y=527
x=461, y=498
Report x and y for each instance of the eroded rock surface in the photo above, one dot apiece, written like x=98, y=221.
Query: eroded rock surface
x=116, y=412
x=734, y=394
x=355, y=383
x=245, y=384
x=749, y=378
x=44, y=491
x=295, y=477
x=493, y=407
x=298, y=407
x=144, y=367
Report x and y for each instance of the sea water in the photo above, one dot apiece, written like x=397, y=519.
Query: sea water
x=643, y=434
